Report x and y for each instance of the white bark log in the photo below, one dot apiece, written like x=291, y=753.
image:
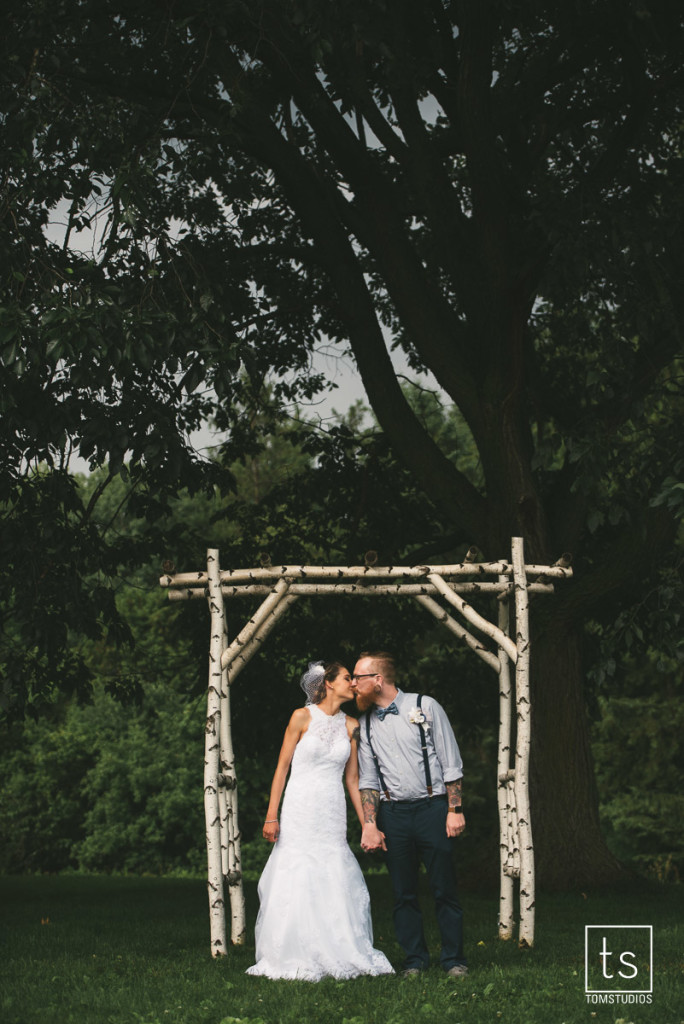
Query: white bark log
x=511, y=829
x=223, y=817
x=506, y=906
x=371, y=590
x=475, y=619
x=515, y=831
x=363, y=572
x=265, y=609
x=522, y=755
x=231, y=831
x=458, y=630
x=242, y=656
x=212, y=814
x=184, y=579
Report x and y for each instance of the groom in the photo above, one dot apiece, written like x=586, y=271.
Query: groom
x=410, y=774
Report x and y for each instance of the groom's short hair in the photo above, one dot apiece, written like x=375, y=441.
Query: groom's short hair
x=387, y=665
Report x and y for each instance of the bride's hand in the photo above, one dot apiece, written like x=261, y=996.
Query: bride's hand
x=372, y=838
x=271, y=831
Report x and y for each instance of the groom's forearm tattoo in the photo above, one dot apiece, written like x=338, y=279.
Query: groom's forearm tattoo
x=454, y=792
x=370, y=801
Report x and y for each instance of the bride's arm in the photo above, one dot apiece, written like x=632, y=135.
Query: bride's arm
x=351, y=771
x=297, y=725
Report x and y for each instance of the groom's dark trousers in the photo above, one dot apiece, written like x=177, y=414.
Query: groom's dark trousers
x=415, y=831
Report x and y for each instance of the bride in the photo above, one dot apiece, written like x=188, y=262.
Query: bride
x=314, y=919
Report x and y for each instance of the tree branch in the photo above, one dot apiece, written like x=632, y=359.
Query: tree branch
x=373, y=213
x=438, y=476
x=625, y=561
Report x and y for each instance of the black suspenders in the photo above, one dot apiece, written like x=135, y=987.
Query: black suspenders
x=383, y=787
x=423, y=745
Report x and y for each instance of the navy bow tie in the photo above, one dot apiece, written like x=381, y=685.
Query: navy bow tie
x=391, y=709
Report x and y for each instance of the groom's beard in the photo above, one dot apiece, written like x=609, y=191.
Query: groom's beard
x=364, y=701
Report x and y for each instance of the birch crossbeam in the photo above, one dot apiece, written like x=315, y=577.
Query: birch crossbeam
x=352, y=572
x=363, y=589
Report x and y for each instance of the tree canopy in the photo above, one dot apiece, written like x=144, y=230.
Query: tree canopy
x=195, y=196
x=495, y=189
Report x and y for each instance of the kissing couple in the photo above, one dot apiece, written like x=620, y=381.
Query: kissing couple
x=403, y=772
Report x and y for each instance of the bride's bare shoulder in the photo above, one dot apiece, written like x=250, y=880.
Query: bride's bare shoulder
x=301, y=717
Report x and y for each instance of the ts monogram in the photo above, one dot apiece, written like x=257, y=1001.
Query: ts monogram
x=626, y=958
x=618, y=963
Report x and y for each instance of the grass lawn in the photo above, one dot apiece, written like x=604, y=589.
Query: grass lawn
x=95, y=950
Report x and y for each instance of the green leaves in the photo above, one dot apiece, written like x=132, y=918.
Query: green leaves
x=671, y=494
x=641, y=725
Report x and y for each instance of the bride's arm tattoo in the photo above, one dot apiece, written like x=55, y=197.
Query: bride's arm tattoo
x=356, y=733
x=454, y=792
x=370, y=801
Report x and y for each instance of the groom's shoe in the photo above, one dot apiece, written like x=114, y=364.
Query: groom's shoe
x=457, y=971
x=411, y=972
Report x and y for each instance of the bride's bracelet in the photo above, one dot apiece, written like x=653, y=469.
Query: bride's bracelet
x=269, y=821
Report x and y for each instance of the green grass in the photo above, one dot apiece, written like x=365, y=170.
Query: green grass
x=136, y=951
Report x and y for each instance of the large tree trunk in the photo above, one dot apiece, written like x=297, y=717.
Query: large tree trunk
x=568, y=842
x=570, y=850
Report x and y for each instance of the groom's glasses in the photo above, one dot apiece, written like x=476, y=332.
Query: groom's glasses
x=366, y=675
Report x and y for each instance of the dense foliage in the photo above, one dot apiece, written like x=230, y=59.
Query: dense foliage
x=115, y=783
x=196, y=196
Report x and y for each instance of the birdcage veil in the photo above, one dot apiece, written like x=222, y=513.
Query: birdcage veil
x=312, y=679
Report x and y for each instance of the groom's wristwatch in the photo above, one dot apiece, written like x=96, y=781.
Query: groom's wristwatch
x=456, y=810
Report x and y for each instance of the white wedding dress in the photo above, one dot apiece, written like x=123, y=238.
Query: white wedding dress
x=314, y=919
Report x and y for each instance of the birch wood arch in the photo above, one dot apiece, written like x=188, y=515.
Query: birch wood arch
x=503, y=645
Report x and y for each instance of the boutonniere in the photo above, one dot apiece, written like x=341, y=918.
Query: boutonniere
x=416, y=717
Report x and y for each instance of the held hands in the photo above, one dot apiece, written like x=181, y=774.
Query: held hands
x=455, y=824
x=372, y=838
x=271, y=830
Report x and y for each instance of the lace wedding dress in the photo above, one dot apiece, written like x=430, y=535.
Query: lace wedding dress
x=314, y=918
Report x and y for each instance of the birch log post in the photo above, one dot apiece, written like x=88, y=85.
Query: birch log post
x=212, y=815
x=514, y=857
x=522, y=751
x=223, y=791
x=506, y=885
x=230, y=827
x=223, y=818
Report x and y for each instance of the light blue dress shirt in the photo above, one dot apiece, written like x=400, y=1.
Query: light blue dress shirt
x=396, y=742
